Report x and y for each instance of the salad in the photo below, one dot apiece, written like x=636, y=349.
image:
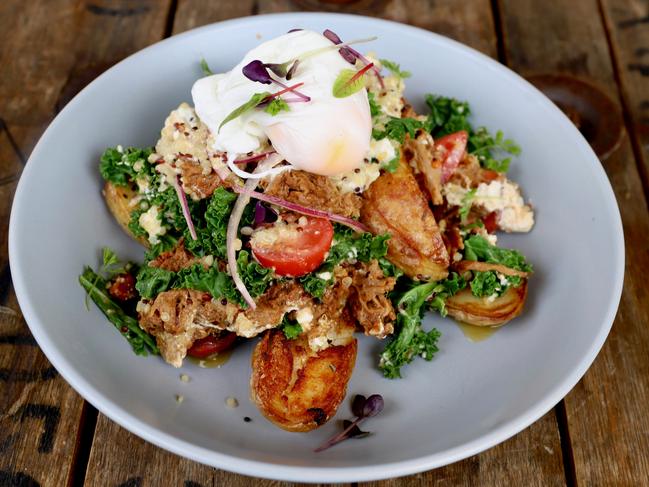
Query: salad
x=302, y=199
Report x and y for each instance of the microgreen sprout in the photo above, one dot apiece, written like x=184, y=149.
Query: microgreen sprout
x=350, y=54
x=349, y=82
x=362, y=408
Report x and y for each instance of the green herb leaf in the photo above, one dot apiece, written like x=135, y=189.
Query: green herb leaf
x=397, y=129
x=478, y=248
x=347, y=83
x=447, y=115
x=205, y=68
x=141, y=342
x=486, y=147
x=277, y=105
x=395, y=69
x=375, y=108
x=467, y=201
x=255, y=100
x=109, y=257
x=291, y=328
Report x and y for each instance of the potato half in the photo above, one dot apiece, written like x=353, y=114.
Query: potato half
x=295, y=388
x=121, y=201
x=394, y=204
x=467, y=308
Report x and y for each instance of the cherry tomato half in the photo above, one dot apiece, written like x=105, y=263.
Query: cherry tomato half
x=455, y=146
x=293, y=249
x=212, y=344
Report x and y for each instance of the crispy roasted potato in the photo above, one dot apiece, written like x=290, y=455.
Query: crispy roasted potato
x=466, y=307
x=295, y=388
x=394, y=204
x=121, y=202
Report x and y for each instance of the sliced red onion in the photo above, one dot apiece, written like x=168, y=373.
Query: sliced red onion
x=254, y=158
x=183, y=204
x=233, y=226
x=222, y=172
x=274, y=200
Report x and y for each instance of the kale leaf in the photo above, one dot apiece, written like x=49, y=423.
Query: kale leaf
x=347, y=245
x=410, y=340
x=444, y=290
x=151, y=281
x=120, y=167
x=478, y=248
x=291, y=328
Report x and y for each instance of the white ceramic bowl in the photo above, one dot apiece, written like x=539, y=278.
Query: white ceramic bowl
x=471, y=397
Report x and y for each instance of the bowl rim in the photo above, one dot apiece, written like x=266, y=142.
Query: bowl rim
x=292, y=472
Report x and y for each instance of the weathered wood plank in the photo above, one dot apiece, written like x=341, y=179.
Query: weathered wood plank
x=607, y=410
x=471, y=24
x=627, y=22
x=43, y=46
x=531, y=458
x=130, y=459
x=195, y=13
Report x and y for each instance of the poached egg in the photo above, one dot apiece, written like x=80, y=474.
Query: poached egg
x=326, y=135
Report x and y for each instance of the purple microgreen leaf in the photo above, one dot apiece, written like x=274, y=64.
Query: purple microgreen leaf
x=280, y=70
x=347, y=55
x=332, y=36
x=357, y=405
x=292, y=70
x=255, y=99
x=264, y=214
x=345, y=52
x=355, y=431
x=342, y=436
x=349, y=81
x=373, y=405
x=256, y=71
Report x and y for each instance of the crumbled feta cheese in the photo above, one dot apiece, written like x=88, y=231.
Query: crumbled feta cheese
x=492, y=298
x=359, y=179
x=120, y=149
x=503, y=279
x=304, y=317
x=325, y=276
x=231, y=402
x=151, y=223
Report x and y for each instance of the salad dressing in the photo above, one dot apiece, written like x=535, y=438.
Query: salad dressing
x=213, y=361
x=476, y=334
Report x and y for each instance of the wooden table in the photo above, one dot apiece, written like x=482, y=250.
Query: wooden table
x=597, y=435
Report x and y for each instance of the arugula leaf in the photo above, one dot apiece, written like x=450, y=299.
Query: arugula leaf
x=255, y=99
x=121, y=167
x=277, y=105
x=410, y=340
x=395, y=69
x=397, y=129
x=375, y=108
x=291, y=328
x=205, y=68
x=478, y=248
x=151, y=281
x=141, y=342
x=483, y=145
x=347, y=83
x=467, y=201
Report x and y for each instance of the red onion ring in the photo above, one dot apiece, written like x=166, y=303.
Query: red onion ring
x=185, y=206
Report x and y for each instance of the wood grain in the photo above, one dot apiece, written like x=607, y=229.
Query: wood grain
x=606, y=411
x=128, y=458
x=50, y=45
x=627, y=22
x=472, y=24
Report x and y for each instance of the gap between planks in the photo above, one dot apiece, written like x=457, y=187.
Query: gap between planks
x=626, y=109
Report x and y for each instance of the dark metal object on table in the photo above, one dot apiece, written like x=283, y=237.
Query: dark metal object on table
x=588, y=107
